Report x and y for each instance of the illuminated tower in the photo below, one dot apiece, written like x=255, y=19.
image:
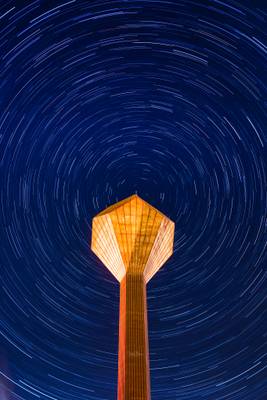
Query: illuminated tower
x=133, y=240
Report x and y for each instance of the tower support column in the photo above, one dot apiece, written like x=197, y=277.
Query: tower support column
x=133, y=371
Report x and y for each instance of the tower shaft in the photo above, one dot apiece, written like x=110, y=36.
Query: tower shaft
x=133, y=363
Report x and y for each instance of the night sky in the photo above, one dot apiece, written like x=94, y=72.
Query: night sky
x=103, y=99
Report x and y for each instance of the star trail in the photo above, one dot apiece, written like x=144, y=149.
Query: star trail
x=103, y=99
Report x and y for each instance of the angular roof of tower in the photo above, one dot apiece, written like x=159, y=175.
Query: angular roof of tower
x=127, y=200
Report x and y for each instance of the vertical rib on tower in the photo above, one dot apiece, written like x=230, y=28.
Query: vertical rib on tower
x=133, y=240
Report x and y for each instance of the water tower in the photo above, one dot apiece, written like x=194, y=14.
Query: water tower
x=133, y=240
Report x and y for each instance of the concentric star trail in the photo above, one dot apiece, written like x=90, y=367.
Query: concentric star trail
x=103, y=99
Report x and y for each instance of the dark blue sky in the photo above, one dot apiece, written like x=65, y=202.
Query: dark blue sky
x=102, y=99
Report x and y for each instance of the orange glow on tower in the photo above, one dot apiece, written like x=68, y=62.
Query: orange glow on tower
x=133, y=240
